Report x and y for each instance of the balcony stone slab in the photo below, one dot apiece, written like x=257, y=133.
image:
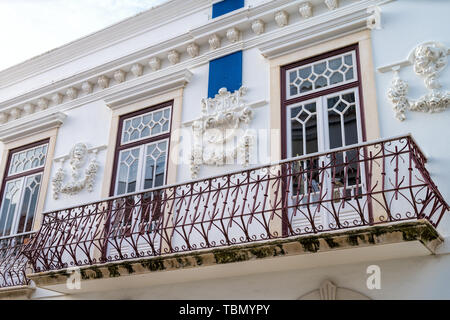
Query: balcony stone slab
x=375, y=243
x=16, y=292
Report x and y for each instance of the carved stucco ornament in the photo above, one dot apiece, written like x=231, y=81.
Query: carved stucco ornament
x=78, y=159
x=215, y=131
x=428, y=60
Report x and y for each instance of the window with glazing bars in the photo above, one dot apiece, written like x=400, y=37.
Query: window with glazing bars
x=20, y=188
x=141, y=163
x=321, y=111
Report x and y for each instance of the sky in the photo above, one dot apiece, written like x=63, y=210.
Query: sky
x=31, y=27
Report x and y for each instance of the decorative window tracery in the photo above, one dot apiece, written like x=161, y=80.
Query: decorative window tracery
x=319, y=75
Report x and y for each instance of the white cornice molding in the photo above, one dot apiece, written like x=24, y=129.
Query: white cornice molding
x=350, y=18
x=123, y=30
x=32, y=125
x=136, y=92
x=317, y=29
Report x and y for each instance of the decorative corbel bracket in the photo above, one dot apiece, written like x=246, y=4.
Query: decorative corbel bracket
x=79, y=155
x=214, y=133
x=428, y=60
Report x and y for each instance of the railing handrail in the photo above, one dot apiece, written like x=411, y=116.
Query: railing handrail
x=270, y=164
x=18, y=235
x=334, y=190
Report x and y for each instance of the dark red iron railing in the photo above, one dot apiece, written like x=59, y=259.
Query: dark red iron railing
x=12, y=261
x=350, y=187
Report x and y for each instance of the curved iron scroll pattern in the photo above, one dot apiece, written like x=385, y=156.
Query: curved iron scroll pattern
x=12, y=261
x=356, y=186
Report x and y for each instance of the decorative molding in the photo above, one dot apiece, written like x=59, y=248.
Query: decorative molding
x=331, y=4
x=317, y=29
x=34, y=124
x=216, y=129
x=72, y=93
x=87, y=87
x=173, y=56
x=329, y=291
x=57, y=98
x=14, y=114
x=214, y=41
x=145, y=89
x=397, y=95
x=252, y=105
x=154, y=63
x=193, y=50
x=137, y=69
x=78, y=157
x=374, y=23
x=28, y=109
x=119, y=76
x=233, y=34
x=305, y=9
x=349, y=18
x=281, y=18
x=103, y=82
x=428, y=60
x=258, y=26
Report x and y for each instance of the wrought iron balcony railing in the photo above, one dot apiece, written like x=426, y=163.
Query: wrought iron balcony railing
x=12, y=261
x=350, y=187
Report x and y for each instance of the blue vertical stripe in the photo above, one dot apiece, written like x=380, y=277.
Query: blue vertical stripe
x=225, y=6
x=225, y=72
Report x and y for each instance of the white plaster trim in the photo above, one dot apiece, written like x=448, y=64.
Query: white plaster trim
x=80, y=156
x=220, y=119
x=324, y=27
x=89, y=150
x=32, y=125
x=253, y=105
x=136, y=92
x=428, y=60
x=401, y=64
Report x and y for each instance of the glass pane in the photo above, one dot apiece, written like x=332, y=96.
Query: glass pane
x=155, y=166
x=149, y=172
x=10, y=202
x=350, y=127
x=342, y=112
x=127, y=171
x=303, y=133
x=334, y=122
x=29, y=202
x=334, y=64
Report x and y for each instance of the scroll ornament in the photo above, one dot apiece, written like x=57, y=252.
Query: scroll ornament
x=428, y=60
x=78, y=157
x=214, y=132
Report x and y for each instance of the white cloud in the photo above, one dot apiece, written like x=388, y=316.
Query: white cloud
x=31, y=27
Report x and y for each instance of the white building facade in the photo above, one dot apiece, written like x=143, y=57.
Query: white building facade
x=232, y=150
